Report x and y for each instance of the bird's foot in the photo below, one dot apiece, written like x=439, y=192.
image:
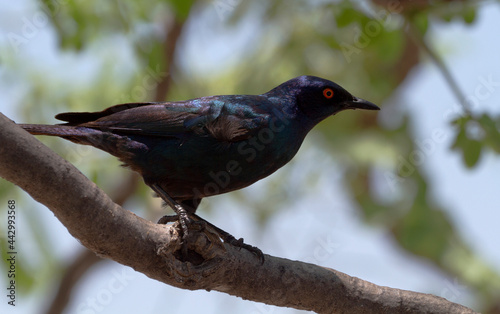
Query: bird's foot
x=185, y=222
x=202, y=223
x=230, y=239
x=186, y=219
x=168, y=218
x=188, y=222
x=182, y=216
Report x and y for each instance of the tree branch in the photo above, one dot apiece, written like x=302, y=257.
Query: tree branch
x=85, y=259
x=117, y=234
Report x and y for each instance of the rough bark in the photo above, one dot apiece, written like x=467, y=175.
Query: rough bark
x=112, y=232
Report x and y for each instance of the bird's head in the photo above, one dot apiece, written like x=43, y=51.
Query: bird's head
x=318, y=98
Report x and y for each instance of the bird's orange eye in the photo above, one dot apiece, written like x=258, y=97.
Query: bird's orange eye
x=328, y=93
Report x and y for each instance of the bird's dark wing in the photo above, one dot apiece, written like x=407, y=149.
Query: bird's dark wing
x=222, y=119
x=237, y=122
x=74, y=118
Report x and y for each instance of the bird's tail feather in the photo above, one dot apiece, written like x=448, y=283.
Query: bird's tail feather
x=117, y=145
x=52, y=130
x=76, y=134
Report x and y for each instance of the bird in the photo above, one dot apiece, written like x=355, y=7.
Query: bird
x=188, y=150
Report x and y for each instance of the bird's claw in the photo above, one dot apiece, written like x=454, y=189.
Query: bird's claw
x=184, y=222
x=198, y=221
x=241, y=244
x=168, y=218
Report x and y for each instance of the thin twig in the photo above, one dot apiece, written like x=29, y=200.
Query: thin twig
x=441, y=65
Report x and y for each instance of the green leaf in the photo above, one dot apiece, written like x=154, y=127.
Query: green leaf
x=469, y=147
x=181, y=8
x=388, y=45
x=421, y=22
x=348, y=16
x=461, y=137
x=492, y=134
x=424, y=231
x=461, y=121
x=469, y=15
x=472, y=152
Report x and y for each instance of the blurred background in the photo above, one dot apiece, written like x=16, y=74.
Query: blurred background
x=408, y=197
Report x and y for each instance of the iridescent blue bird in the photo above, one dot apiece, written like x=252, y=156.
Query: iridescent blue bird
x=188, y=150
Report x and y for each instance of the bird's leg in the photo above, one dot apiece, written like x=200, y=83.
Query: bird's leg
x=182, y=214
x=184, y=219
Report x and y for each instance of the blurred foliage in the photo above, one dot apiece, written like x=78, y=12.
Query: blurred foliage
x=123, y=45
x=475, y=134
x=419, y=224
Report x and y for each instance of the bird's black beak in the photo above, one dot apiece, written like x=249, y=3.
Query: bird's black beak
x=358, y=103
